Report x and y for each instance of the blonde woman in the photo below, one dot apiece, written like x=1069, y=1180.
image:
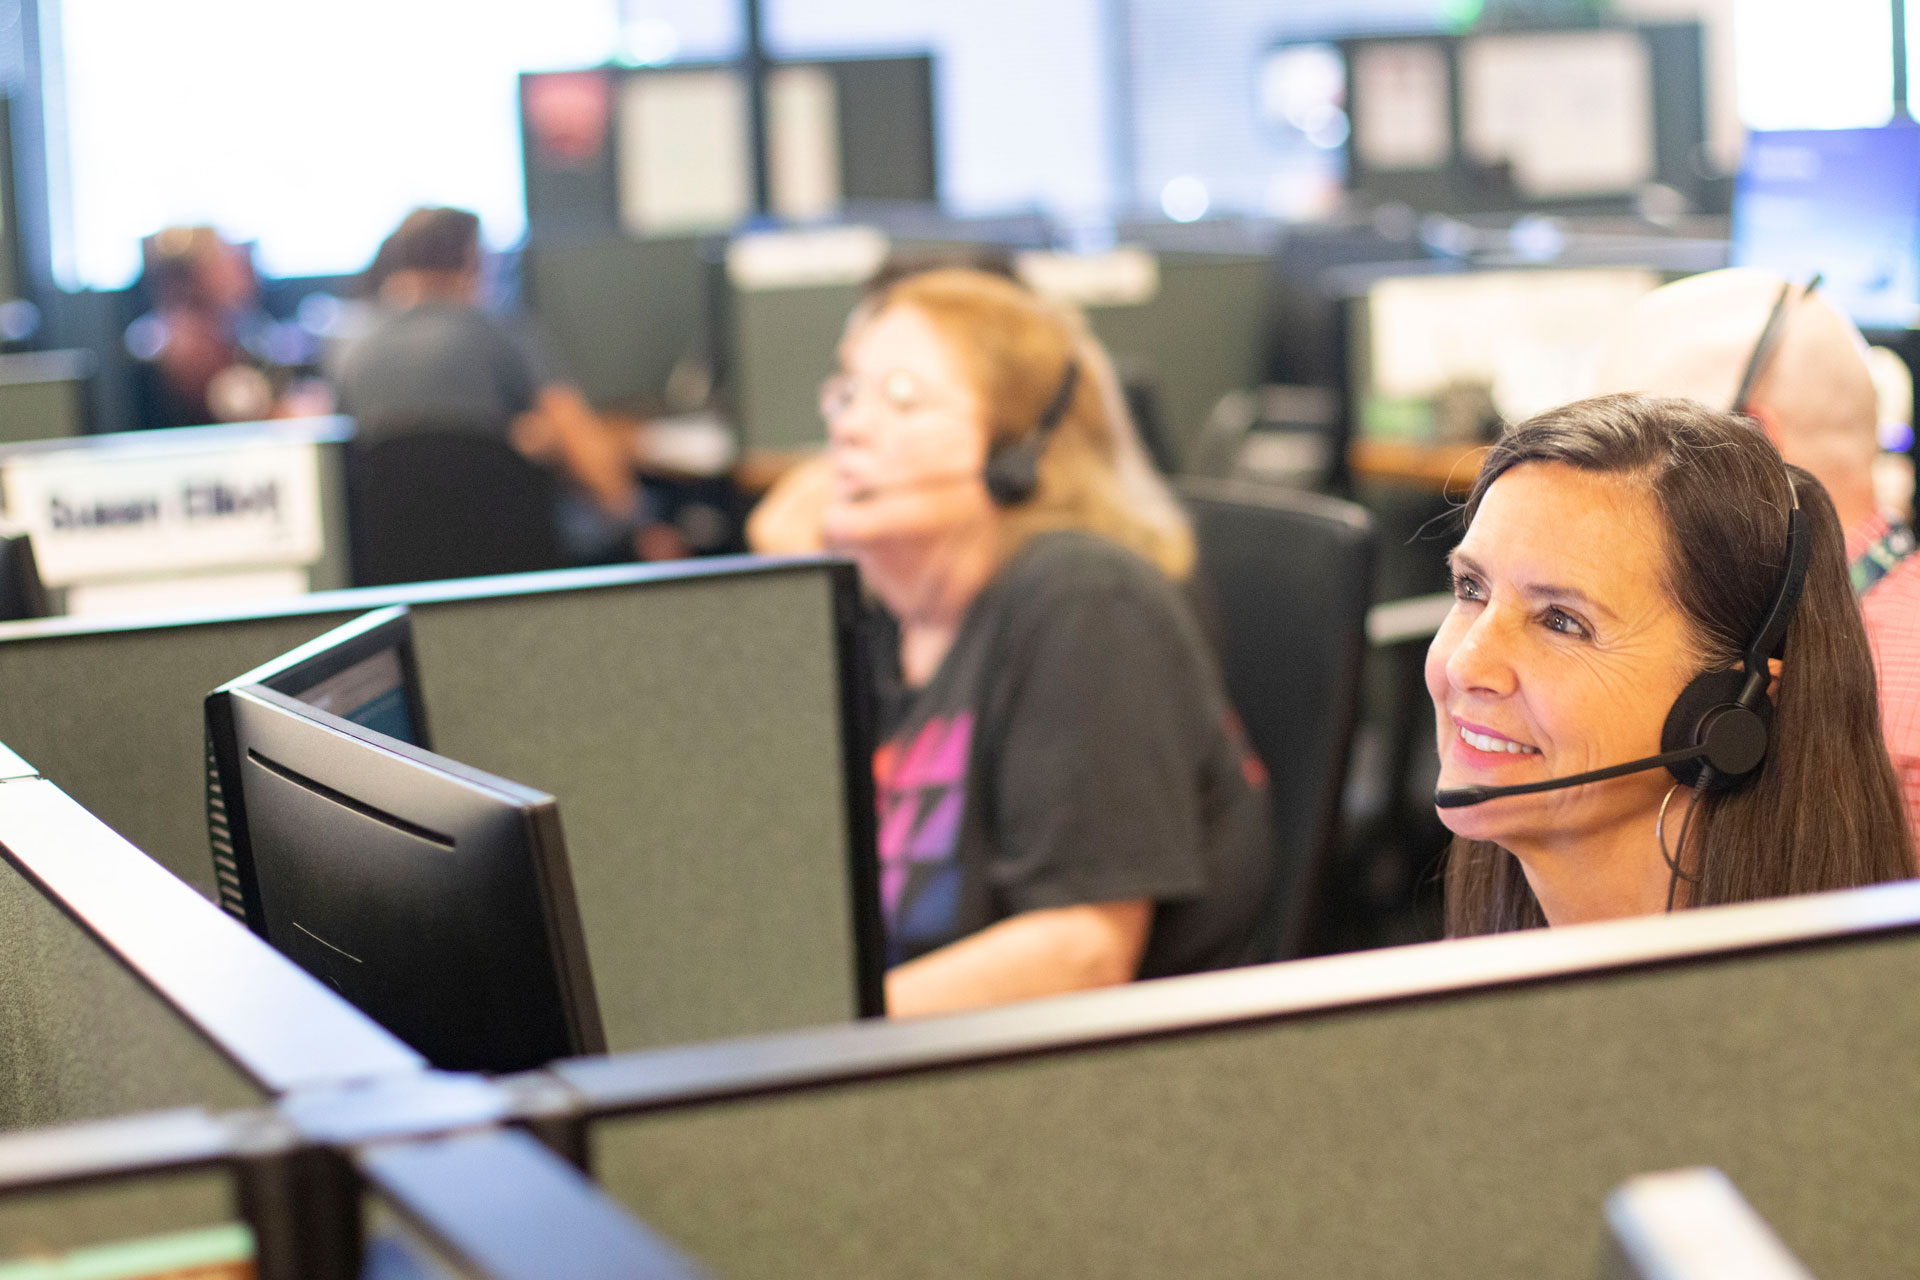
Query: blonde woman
x=1064, y=801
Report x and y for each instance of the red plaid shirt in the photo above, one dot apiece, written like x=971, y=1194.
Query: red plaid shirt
x=1892, y=612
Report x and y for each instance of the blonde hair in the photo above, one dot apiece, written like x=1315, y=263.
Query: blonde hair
x=1015, y=348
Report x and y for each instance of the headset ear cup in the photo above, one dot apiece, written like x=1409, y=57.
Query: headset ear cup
x=1708, y=713
x=1013, y=473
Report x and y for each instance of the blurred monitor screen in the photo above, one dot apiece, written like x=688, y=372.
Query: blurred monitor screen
x=1841, y=202
x=362, y=672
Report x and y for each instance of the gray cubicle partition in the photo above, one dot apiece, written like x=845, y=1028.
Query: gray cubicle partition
x=1200, y=336
x=1458, y=1109
x=783, y=344
x=43, y=394
x=622, y=313
x=122, y=989
x=702, y=725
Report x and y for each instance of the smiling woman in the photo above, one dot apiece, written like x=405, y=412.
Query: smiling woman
x=1616, y=549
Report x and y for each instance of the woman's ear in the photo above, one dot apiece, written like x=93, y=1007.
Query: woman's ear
x=1773, y=684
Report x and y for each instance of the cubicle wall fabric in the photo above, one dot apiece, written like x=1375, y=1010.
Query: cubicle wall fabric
x=693, y=734
x=80, y=1036
x=1471, y=1134
x=112, y=713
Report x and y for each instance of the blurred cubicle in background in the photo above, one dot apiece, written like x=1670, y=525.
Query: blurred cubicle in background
x=1331, y=244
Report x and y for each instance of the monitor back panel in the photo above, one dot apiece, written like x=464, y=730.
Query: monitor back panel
x=113, y=716
x=1467, y=1136
x=691, y=733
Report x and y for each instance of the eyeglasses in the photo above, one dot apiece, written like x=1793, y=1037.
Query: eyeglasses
x=1769, y=341
x=900, y=391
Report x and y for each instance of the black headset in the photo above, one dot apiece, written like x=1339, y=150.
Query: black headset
x=1012, y=472
x=1728, y=712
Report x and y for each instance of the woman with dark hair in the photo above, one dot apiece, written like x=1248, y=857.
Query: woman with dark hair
x=1615, y=550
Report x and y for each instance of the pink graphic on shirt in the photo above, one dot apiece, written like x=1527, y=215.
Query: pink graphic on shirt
x=921, y=792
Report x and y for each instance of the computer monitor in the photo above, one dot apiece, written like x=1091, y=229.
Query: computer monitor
x=436, y=898
x=362, y=671
x=1841, y=202
x=22, y=595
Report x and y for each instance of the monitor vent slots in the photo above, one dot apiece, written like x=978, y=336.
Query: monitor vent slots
x=226, y=869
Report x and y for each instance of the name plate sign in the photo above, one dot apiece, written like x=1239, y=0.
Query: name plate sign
x=126, y=512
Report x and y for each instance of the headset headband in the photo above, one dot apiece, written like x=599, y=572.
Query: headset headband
x=1771, y=334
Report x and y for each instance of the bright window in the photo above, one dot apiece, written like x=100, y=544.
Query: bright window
x=1814, y=66
x=309, y=128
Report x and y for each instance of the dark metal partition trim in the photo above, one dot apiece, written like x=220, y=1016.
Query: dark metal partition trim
x=1171, y=1007
x=859, y=737
x=502, y=1204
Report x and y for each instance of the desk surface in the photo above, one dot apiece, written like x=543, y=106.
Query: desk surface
x=1443, y=468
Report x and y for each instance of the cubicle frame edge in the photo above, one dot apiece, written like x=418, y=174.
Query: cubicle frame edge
x=859, y=739
x=365, y=599
x=340, y=1047
x=1168, y=1008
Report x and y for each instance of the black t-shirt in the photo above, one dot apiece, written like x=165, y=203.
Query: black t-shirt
x=1075, y=746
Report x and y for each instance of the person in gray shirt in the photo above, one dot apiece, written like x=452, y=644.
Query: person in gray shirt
x=435, y=361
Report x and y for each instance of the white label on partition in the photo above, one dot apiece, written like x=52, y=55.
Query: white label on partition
x=1123, y=277
x=120, y=513
x=806, y=259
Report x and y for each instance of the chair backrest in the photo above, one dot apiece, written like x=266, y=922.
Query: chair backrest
x=1291, y=578
x=22, y=594
x=438, y=504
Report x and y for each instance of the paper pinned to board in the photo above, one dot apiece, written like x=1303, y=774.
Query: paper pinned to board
x=1571, y=112
x=803, y=142
x=683, y=159
x=1402, y=94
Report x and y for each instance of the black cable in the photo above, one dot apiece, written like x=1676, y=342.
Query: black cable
x=1675, y=874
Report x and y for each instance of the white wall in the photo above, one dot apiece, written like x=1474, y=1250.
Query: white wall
x=1022, y=95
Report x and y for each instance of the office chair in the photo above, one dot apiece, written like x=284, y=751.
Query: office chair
x=22, y=594
x=1289, y=578
x=443, y=503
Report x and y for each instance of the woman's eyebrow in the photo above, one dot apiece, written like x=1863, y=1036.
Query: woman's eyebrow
x=1461, y=562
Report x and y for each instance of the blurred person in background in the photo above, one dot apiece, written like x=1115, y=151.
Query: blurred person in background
x=434, y=360
x=207, y=352
x=1812, y=394
x=1065, y=801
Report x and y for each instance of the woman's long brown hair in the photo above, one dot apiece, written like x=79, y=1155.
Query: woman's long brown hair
x=1824, y=811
